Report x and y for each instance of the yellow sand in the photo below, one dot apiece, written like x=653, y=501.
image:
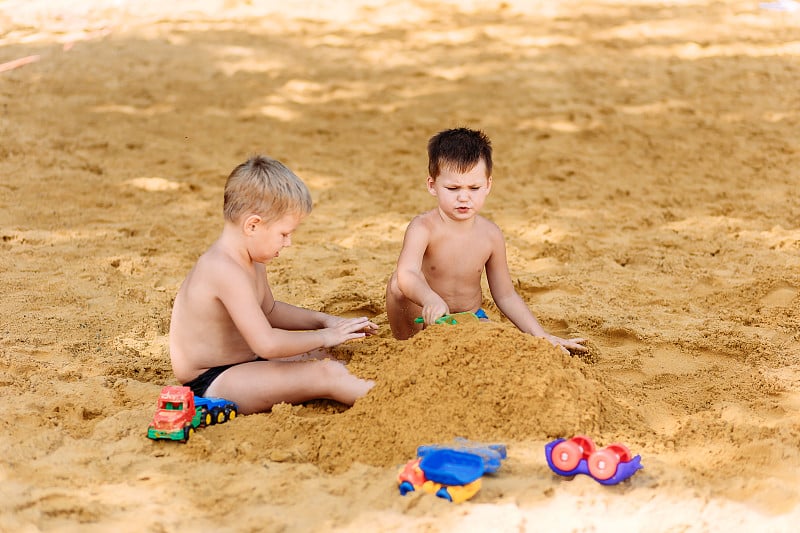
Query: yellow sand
x=646, y=180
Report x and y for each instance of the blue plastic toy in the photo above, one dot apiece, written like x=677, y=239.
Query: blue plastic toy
x=491, y=454
x=578, y=455
x=451, y=471
x=215, y=410
x=451, y=467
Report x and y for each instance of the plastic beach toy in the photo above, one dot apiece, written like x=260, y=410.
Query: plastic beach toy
x=579, y=455
x=180, y=412
x=491, y=454
x=451, y=467
x=451, y=471
x=453, y=318
x=412, y=478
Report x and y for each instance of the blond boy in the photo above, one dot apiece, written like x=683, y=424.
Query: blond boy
x=229, y=337
x=446, y=250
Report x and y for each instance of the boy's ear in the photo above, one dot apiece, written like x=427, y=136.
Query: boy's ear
x=250, y=224
x=488, y=184
x=431, y=183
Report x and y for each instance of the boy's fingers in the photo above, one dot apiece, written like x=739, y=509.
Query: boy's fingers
x=578, y=348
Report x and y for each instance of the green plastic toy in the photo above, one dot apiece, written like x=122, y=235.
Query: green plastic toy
x=453, y=318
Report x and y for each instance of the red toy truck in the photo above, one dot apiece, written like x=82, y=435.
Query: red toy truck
x=179, y=413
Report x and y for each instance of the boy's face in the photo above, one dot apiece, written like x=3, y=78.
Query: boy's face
x=461, y=195
x=269, y=238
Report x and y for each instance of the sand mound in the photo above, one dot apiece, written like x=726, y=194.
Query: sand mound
x=486, y=382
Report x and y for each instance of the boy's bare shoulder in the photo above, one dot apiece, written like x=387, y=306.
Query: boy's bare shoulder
x=215, y=266
x=427, y=216
x=426, y=220
x=212, y=258
x=489, y=228
x=486, y=224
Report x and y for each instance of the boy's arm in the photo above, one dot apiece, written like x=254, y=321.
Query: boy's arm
x=511, y=303
x=410, y=278
x=235, y=290
x=291, y=317
x=287, y=316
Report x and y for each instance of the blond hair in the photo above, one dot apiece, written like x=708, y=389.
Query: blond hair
x=265, y=187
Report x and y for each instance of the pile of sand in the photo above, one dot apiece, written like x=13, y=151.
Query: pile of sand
x=487, y=382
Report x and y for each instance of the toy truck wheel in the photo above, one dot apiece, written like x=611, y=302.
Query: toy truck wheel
x=442, y=493
x=187, y=432
x=603, y=464
x=622, y=452
x=230, y=413
x=205, y=418
x=586, y=444
x=219, y=416
x=566, y=455
x=406, y=487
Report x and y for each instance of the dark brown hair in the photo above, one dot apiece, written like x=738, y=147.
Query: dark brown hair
x=458, y=149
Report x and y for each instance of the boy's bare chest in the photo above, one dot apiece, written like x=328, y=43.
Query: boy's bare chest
x=462, y=254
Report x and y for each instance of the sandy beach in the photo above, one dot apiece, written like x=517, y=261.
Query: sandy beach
x=646, y=179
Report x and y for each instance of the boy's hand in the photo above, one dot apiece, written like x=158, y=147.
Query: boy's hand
x=333, y=321
x=568, y=346
x=434, y=309
x=345, y=329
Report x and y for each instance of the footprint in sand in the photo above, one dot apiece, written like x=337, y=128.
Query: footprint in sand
x=780, y=297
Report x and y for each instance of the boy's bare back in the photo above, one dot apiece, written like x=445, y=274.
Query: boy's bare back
x=203, y=335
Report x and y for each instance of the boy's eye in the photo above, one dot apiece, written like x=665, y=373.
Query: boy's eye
x=475, y=188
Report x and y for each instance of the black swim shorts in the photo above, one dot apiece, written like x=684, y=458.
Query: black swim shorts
x=201, y=383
